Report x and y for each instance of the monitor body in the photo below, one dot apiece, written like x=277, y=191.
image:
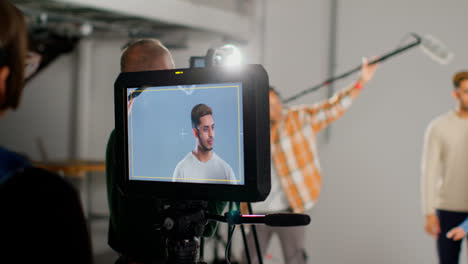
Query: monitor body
x=161, y=152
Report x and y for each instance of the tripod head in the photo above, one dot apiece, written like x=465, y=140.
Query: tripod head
x=183, y=225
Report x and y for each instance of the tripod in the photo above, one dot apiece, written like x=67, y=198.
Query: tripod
x=219, y=240
x=275, y=220
x=182, y=224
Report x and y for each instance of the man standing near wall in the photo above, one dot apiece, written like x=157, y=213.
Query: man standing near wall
x=444, y=173
x=296, y=173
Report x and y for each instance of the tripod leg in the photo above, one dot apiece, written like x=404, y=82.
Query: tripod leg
x=216, y=242
x=257, y=244
x=244, y=239
x=246, y=247
x=231, y=207
x=202, y=248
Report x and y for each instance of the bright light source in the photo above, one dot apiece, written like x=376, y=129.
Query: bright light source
x=86, y=29
x=232, y=55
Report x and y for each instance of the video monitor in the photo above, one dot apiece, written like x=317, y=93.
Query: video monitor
x=198, y=134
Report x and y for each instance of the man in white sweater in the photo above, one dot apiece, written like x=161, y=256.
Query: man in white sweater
x=445, y=173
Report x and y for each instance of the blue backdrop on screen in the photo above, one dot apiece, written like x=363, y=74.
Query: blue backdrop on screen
x=160, y=128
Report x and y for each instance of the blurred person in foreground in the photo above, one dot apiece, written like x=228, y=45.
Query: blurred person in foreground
x=41, y=215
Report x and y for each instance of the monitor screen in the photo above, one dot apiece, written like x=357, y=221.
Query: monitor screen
x=186, y=133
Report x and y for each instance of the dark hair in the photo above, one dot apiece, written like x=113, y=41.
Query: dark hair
x=198, y=112
x=14, y=46
x=458, y=77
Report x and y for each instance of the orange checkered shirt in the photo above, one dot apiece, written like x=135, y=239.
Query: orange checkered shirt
x=294, y=150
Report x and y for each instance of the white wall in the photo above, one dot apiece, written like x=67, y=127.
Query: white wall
x=296, y=45
x=44, y=112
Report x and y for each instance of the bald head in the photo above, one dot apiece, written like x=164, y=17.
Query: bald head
x=146, y=55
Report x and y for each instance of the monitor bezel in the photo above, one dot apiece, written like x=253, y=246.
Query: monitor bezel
x=255, y=115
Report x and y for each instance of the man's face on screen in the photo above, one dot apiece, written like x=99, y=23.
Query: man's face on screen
x=206, y=133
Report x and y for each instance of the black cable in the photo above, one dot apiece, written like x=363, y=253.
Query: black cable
x=228, y=246
x=202, y=248
x=215, y=217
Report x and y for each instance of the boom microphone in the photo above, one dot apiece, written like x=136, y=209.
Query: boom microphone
x=431, y=46
x=279, y=219
x=436, y=50
x=284, y=219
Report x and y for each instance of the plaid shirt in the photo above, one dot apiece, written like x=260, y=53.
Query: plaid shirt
x=294, y=150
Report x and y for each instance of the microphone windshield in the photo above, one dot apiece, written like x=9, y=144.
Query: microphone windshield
x=286, y=219
x=436, y=50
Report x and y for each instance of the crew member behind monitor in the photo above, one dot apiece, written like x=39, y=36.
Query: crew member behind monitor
x=202, y=164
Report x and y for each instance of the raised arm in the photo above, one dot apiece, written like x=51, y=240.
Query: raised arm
x=327, y=111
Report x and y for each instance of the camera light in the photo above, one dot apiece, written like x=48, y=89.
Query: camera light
x=232, y=55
